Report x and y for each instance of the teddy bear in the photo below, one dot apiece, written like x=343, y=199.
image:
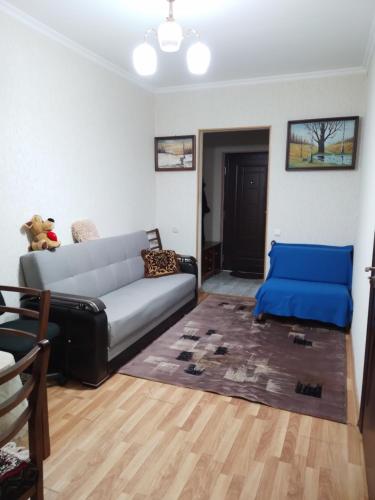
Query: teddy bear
x=43, y=238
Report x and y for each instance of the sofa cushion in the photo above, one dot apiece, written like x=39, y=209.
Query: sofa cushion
x=92, y=268
x=160, y=263
x=132, y=307
x=329, y=302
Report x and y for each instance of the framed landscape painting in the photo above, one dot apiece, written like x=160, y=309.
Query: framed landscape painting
x=322, y=144
x=175, y=153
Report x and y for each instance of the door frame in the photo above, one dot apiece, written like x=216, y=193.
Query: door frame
x=369, y=342
x=198, y=236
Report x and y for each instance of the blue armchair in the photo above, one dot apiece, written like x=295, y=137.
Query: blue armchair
x=308, y=282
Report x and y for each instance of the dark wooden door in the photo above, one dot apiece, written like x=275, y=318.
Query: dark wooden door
x=367, y=414
x=245, y=203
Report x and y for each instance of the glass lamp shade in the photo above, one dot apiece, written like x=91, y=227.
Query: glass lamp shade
x=145, y=59
x=198, y=58
x=170, y=36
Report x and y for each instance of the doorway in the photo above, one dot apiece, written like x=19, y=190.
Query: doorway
x=233, y=210
x=245, y=205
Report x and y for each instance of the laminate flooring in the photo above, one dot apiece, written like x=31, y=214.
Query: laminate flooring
x=138, y=439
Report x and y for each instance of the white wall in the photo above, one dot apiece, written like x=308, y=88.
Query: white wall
x=365, y=235
x=76, y=141
x=307, y=206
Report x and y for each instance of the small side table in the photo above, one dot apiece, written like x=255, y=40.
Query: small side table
x=211, y=259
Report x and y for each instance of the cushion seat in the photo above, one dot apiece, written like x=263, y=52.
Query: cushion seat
x=131, y=309
x=13, y=344
x=329, y=302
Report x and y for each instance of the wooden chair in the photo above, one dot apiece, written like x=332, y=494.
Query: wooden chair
x=25, y=479
x=154, y=239
x=25, y=334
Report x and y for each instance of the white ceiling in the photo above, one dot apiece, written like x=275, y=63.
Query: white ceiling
x=248, y=38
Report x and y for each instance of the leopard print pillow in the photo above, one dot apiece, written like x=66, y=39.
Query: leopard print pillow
x=160, y=263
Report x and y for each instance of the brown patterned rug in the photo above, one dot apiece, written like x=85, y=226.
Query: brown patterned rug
x=218, y=347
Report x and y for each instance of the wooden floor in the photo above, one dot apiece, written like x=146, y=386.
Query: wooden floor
x=136, y=439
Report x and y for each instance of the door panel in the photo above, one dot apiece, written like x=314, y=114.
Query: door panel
x=245, y=212
x=367, y=414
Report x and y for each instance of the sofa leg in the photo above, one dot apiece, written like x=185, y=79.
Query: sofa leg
x=260, y=318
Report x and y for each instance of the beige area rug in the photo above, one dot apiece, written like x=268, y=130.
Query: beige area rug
x=218, y=347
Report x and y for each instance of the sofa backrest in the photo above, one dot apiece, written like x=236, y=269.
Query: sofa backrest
x=92, y=268
x=322, y=263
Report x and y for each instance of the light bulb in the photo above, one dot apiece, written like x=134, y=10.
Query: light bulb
x=170, y=36
x=198, y=58
x=145, y=59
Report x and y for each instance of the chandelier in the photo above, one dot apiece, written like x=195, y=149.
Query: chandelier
x=170, y=36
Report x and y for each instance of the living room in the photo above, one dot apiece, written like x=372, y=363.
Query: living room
x=78, y=128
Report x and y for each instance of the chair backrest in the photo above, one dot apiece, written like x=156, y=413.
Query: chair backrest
x=2, y=303
x=34, y=390
x=44, y=297
x=154, y=239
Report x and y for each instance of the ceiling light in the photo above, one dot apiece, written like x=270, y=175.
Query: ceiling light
x=170, y=36
x=145, y=59
x=198, y=58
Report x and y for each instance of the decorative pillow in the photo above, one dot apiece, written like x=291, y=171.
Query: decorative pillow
x=160, y=263
x=84, y=230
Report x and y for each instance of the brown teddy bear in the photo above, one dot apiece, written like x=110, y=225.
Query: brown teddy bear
x=43, y=238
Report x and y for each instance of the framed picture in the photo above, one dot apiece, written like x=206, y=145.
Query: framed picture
x=175, y=153
x=322, y=144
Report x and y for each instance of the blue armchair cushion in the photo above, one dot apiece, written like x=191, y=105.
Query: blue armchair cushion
x=308, y=282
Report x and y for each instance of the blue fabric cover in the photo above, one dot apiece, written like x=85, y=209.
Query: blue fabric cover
x=308, y=282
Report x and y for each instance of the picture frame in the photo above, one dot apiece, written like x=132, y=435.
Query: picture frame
x=175, y=153
x=322, y=144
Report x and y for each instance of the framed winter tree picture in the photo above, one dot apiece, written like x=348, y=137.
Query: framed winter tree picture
x=322, y=144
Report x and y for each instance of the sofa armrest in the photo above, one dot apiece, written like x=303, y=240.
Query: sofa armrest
x=69, y=301
x=188, y=264
x=84, y=334
x=81, y=302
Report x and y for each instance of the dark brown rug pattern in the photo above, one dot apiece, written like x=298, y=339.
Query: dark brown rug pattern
x=218, y=347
